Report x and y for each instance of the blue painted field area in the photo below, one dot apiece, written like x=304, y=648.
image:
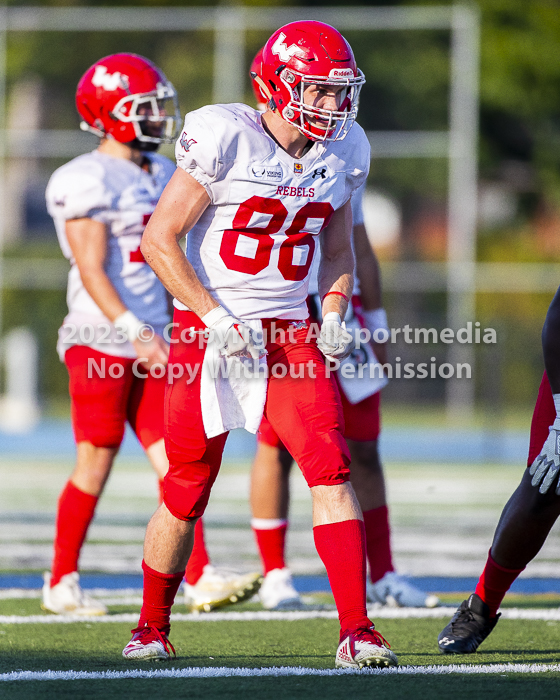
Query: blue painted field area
x=54, y=438
x=304, y=584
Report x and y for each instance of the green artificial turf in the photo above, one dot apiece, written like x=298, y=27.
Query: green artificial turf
x=91, y=646
x=507, y=687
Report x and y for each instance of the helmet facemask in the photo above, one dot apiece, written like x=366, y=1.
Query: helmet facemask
x=148, y=115
x=316, y=123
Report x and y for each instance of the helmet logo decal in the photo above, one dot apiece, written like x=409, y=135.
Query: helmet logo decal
x=108, y=81
x=284, y=52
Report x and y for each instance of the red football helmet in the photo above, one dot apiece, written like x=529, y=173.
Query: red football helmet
x=124, y=96
x=255, y=72
x=307, y=53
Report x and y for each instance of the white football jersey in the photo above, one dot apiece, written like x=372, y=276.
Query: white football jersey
x=254, y=245
x=121, y=195
x=357, y=218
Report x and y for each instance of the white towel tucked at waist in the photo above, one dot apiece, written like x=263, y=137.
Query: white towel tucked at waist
x=232, y=390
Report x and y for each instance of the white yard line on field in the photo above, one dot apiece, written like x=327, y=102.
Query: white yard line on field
x=224, y=672
x=265, y=616
x=120, y=596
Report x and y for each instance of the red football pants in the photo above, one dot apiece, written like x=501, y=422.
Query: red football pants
x=101, y=405
x=303, y=406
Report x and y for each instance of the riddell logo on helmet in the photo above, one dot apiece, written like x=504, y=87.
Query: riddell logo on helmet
x=341, y=73
x=108, y=81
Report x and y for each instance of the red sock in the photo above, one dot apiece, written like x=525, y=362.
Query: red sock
x=378, y=542
x=341, y=547
x=75, y=512
x=494, y=582
x=271, y=542
x=199, y=556
x=159, y=593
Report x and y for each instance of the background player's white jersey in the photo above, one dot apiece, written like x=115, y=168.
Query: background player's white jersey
x=254, y=245
x=121, y=195
x=357, y=218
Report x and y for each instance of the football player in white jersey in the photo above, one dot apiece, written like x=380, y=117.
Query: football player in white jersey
x=361, y=406
x=100, y=203
x=362, y=420
x=255, y=193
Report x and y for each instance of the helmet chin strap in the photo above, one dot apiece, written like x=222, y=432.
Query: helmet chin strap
x=144, y=146
x=263, y=86
x=84, y=126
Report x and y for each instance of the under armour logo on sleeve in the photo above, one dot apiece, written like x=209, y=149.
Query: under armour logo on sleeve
x=319, y=172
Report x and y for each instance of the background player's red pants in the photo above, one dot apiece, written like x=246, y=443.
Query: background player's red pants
x=362, y=422
x=305, y=411
x=101, y=405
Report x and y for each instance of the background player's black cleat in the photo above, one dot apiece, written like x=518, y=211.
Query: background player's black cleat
x=468, y=628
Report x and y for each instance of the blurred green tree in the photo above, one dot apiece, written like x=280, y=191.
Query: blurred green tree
x=407, y=88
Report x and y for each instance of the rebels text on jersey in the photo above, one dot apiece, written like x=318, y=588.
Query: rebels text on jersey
x=121, y=195
x=254, y=245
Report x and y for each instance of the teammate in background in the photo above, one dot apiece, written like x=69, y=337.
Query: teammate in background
x=272, y=464
x=529, y=514
x=100, y=203
x=250, y=193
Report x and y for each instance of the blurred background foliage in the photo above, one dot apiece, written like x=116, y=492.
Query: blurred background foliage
x=407, y=88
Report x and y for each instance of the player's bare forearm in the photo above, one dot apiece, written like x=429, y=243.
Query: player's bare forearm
x=336, y=271
x=342, y=281
x=367, y=270
x=181, y=205
x=177, y=274
x=369, y=275
x=88, y=241
x=551, y=343
x=101, y=290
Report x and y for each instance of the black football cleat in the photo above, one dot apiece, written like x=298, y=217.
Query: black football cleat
x=468, y=628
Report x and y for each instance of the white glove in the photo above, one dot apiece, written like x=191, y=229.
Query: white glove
x=547, y=465
x=334, y=340
x=232, y=337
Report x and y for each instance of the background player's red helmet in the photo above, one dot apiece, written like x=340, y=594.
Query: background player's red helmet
x=307, y=53
x=256, y=73
x=125, y=96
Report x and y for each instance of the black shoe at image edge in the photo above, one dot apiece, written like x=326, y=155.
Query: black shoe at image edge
x=468, y=628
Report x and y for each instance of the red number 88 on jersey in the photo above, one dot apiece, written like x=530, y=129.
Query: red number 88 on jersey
x=257, y=256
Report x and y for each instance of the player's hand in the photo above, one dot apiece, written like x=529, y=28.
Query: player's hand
x=154, y=351
x=234, y=339
x=334, y=340
x=547, y=465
